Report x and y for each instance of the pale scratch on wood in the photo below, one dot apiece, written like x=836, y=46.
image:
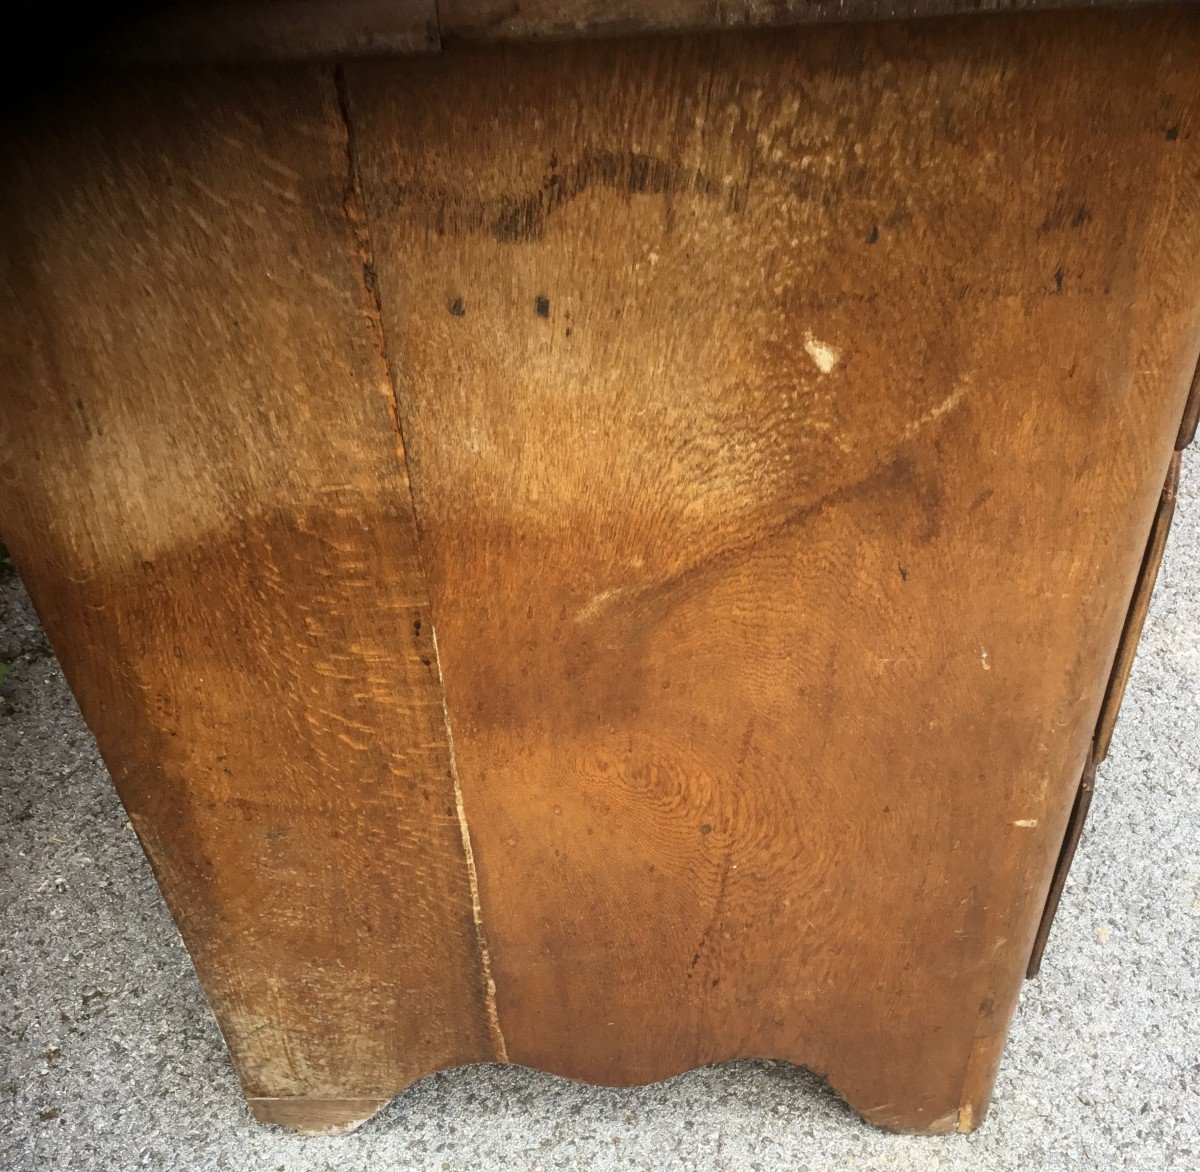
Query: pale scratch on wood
x=824, y=355
x=597, y=603
x=934, y=413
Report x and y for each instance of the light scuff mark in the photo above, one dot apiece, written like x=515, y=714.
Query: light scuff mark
x=825, y=357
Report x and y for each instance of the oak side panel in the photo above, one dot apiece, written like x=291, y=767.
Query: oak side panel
x=786, y=416
x=203, y=488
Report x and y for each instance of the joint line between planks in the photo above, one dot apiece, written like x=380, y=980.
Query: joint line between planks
x=356, y=211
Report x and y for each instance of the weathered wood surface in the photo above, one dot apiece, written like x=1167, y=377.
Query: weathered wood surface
x=203, y=488
x=785, y=416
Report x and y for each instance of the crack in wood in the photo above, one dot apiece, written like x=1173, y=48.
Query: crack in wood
x=357, y=214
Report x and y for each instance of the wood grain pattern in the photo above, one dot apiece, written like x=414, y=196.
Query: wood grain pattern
x=202, y=487
x=786, y=415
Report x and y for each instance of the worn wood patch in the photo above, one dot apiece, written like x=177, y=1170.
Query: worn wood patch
x=203, y=487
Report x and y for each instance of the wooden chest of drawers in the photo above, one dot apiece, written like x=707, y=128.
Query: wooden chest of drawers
x=610, y=555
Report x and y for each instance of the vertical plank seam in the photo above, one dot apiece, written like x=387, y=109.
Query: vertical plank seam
x=360, y=222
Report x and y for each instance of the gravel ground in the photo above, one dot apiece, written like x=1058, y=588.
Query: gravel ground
x=111, y=1059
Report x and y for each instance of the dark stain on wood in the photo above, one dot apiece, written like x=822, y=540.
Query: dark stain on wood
x=522, y=218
